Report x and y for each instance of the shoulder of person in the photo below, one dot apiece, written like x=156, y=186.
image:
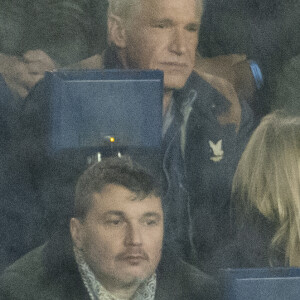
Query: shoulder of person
x=27, y=265
x=47, y=272
x=23, y=277
x=180, y=280
x=93, y=62
x=196, y=277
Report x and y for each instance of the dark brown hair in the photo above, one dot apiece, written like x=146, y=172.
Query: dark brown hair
x=119, y=171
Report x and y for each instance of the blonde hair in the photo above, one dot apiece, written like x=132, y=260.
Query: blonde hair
x=267, y=180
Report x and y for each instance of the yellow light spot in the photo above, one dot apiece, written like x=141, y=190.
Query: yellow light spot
x=112, y=139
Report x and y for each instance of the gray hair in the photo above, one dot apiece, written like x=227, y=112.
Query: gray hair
x=124, y=8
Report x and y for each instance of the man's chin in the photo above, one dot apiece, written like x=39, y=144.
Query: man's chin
x=135, y=278
x=174, y=82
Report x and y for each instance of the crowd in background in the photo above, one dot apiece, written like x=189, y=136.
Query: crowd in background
x=67, y=31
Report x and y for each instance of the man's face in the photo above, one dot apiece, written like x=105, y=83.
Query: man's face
x=121, y=236
x=163, y=34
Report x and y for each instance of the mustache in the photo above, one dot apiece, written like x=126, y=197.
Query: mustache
x=133, y=253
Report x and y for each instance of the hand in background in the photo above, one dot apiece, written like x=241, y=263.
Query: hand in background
x=234, y=68
x=232, y=77
x=22, y=73
x=234, y=113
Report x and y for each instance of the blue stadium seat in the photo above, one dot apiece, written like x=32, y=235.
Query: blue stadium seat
x=89, y=107
x=261, y=284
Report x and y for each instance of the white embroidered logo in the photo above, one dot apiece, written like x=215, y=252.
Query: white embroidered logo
x=217, y=151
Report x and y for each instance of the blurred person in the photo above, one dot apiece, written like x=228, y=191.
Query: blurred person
x=266, y=197
x=18, y=74
x=14, y=206
x=265, y=31
x=32, y=41
x=287, y=91
x=22, y=73
x=113, y=248
x=41, y=36
x=63, y=29
x=267, y=182
x=19, y=71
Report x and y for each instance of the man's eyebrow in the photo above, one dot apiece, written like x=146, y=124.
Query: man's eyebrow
x=113, y=213
x=152, y=214
x=165, y=21
x=194, y=23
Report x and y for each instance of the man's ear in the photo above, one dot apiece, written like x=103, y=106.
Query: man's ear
x=77, y=232
x=116, y=31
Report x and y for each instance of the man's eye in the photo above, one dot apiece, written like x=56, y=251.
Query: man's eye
x=160, y=26
x=151, y=222
x=192, y=28
x=114, y=222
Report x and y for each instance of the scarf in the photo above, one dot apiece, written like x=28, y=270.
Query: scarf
x=96, y=291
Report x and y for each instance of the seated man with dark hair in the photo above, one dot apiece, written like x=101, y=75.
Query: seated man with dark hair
x=114, y=248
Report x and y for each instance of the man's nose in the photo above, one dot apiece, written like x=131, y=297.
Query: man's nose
x=133, y=235
x=178, y=41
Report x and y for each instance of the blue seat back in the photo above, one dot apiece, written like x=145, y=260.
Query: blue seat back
x=261, y=284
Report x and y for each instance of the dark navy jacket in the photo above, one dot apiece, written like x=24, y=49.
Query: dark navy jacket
x=197, y=202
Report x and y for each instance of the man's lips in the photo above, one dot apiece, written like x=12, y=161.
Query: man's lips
x=134, y=260
x=175, y=64
x=133, y=256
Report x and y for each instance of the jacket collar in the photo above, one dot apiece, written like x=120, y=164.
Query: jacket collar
x=60, y=264
x=111, y=59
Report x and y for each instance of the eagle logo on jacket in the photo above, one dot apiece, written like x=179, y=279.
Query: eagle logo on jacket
x=218, y=153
